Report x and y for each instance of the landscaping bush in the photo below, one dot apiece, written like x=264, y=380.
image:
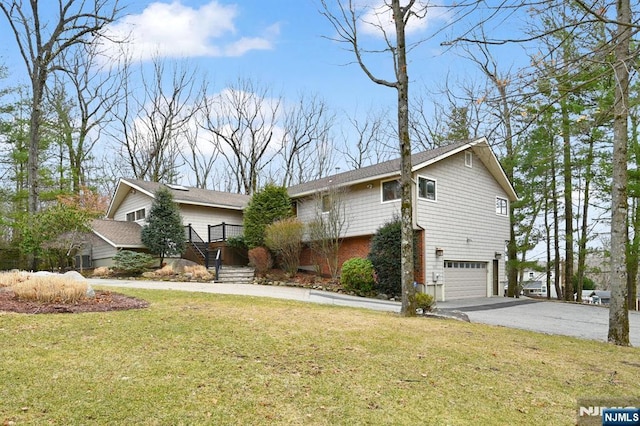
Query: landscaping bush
x=260, y=258
x=237, y=243
x=132, y=262
x=266, y=206
x=386, y=258
x=284, y=238
x=357, y=276
x=49, y=289
x=424, y=302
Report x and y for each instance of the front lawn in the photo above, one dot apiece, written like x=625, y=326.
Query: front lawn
x=194, y=358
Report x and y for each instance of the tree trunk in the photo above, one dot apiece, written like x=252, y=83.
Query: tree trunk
x=584, y=227
x=556, y=230
x=568, y=193
x=406, y=248
x=618, y=311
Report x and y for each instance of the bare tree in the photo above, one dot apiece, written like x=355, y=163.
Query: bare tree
x=371, y=144
x=200, y=157
x=150, y=125
x=307, y=126
x=41, y=44
x=243, y=119
x=327, y=230
x=85, y=113
x=346, y=21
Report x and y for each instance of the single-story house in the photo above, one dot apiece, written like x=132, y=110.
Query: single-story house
x=461, y=198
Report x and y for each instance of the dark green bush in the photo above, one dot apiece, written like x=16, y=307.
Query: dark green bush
x=266, y=206
x=587, y=283
x=386, y=259
x=357, y=276
x=237, y=243
x=132, y=262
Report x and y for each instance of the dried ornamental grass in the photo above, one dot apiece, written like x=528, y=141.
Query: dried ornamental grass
x=101, y=271
x=198, y=272
x=49, y=289
x=165, y=271
x=8, y=279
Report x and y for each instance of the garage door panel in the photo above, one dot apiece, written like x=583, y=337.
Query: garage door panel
x=464, y=279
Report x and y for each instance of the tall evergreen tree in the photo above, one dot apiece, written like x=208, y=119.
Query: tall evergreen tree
x=266, y=206
x=164, y=233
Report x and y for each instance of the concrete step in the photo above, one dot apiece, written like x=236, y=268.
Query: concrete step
x=236, y=274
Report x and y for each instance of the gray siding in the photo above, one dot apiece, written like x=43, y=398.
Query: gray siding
x=463, y=220
x=131, y=203
x=364, y=212
x=200, y=217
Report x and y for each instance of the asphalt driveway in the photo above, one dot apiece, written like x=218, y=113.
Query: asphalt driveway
x=568, y=319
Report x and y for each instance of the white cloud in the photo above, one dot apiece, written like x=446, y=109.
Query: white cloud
x=175, y=30
x=377, y=15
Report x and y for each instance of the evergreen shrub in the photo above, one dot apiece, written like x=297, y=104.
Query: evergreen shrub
x=132, y=262
x=358, y=276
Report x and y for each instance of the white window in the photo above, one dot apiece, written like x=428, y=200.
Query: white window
x=502, y=206
x=426, y=188
x=391, y=190
x=468, y=159
x=136, y=215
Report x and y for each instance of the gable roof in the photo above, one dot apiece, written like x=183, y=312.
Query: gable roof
x=389, y=169
x=117, y=233
x=181, y=195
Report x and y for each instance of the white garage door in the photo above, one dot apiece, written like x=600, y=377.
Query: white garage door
x=464, y=279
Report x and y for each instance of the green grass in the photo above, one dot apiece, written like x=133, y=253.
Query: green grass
x=211, y=359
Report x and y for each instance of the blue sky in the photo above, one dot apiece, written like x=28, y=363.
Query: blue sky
x=280, y=43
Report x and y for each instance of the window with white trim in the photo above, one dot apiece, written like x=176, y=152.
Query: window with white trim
x=502, y=206
x=426, y=188
x=136, y=215
x=391, y=190
x=468, y=158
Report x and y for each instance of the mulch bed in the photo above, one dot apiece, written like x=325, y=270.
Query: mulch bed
x=103, y=301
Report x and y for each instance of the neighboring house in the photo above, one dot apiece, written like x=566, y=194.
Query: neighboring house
x=461, y=199
x=461, y=202
x=209, y=217
x=534, y=284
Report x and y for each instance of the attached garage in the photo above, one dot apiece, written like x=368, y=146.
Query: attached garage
x=464, y=279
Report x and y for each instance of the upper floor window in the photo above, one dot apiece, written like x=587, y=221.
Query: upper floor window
x=391, y=190
x=468, y=158
x=426, y=188
x=136, y=215
x=502, y=206
x=327, y=203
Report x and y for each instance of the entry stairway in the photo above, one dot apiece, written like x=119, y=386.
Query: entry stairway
x=235, y=275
